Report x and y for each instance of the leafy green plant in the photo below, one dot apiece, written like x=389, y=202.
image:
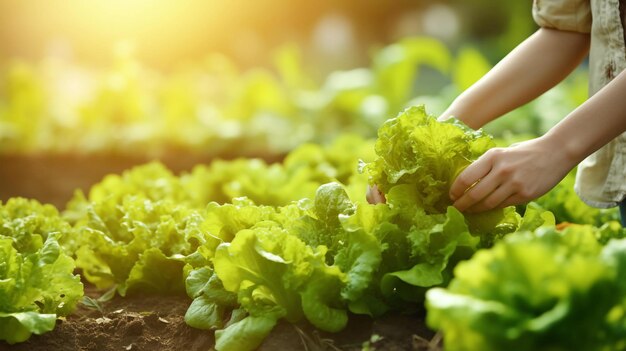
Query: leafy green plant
x=37, y=284
x=137, y=244
x=528, y=293
x=425, y=155
x=563, y=201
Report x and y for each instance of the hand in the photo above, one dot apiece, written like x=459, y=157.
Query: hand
x=510, y=176
x=374, y=195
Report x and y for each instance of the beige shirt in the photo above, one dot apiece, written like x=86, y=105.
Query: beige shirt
x=601, y=177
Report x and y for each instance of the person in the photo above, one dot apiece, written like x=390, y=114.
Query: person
x=592, y=136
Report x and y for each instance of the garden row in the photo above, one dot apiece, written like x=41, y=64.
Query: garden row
x=255, y=243
x=211, y=107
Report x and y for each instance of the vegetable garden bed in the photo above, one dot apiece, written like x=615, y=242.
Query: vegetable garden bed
x=290, y=256
x=157, y=323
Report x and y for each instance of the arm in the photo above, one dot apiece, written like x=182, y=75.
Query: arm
x=533, y=67
x=524, y=172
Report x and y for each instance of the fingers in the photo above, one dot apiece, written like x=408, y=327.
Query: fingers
x=469, y=178
x=476, y=192
x=374, y=195
x=495, y=199
x=490, y=183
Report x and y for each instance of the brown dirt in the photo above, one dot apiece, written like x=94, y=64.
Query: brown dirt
x=131, y=323
x=139, y=323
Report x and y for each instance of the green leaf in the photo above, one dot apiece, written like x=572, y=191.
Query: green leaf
x=91, y=303
x=320, y=299
x=528, y=293
x=245, y=335
x=359, y=259
x=243, y=267
x=37, y=283
x=154, y=273
x=135, y=243
x=415, y=149
x=211, y=301
x=18, y=326
x=205, y=313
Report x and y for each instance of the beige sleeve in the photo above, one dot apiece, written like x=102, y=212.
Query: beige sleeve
x=569, y=15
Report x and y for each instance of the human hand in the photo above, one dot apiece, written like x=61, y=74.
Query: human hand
x=510, y=176
x=374, y=195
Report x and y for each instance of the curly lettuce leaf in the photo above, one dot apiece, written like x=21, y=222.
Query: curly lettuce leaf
x=128, y=243
x=276, y=275
x=416, y=149
x=268, y=264
x=354, y=251
x=566, y=206
x=408, y=251
x=30, y=223
x=542, y=290
x=266, y=184
x=152, y=181
x=260, y=274
x=35, y=288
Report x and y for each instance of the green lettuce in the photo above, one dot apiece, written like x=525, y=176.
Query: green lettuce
x=417, y=250
x=29, y=223
x=356, y=252
x=139, y=244
x=568, y=207
x=152, y=181
x=263, y=183
x=211, y=302
x=427, y=155
x=293, y=262
x=541, y=290
x=416, y=149
x=276, y=275
x=302, y=172
x=37, y=284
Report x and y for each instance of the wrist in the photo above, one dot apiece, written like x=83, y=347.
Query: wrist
x=568, y=147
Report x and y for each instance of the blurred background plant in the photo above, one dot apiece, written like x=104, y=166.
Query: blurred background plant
x=165, y=80
x=129, y=77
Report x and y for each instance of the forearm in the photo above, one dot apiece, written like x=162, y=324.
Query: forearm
x=593, y=124
x=533, y=67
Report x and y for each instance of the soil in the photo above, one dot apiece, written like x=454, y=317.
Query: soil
x=138, y=323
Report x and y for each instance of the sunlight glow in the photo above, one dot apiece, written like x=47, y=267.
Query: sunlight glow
x=161, y=28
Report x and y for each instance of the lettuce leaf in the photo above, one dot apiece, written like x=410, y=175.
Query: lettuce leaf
x=416, y=149
x=417, y=251
x=566, y=206
x=211, y=302
x=541, y=290
x=354, y=251
x=37, y=283
x=426, y=155
x=130, y=244
x=30, y=223
x=276, y=275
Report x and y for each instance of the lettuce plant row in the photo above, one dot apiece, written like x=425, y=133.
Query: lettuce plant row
x=253, y=243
